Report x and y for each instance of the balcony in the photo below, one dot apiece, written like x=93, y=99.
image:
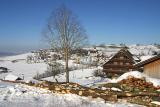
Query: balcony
x=117, y=66
x=115, y=71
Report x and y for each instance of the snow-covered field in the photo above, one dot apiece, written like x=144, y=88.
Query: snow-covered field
x=21, y=68
x=83, y=77
x=133, y=48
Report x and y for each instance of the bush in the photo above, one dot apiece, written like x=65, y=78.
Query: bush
x=111, y=75
x=99, y=73
x=55, y=68
x=37, y=76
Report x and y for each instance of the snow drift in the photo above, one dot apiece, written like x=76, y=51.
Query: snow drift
x=137, y=74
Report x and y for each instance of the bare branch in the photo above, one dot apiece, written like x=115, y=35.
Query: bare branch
x=64, y=33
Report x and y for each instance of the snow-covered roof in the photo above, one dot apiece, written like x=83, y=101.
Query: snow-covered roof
x=143, y=58
x=135, y=58
x=12, y=77
x=149, y=60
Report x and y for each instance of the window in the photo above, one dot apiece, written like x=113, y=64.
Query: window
x=127, y=63
x=121, y=63
x=121, y=57
x=126, y=57
x=115, y=63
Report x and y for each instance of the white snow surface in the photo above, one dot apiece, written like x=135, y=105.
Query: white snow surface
x=142, y=49
x=156, y=102
x=83, y=77
x=20, y=95
x=143, y=58
x=21, y=68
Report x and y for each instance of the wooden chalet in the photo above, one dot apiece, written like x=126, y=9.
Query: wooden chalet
x=151, y=66
x=120, y=63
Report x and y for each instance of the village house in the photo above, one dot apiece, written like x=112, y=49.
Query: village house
x=151, y=66
x=122, y=62
x=3, y=70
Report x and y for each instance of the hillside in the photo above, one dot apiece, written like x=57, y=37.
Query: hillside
x=81, y=72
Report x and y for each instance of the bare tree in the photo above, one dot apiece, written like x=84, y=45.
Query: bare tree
x=64, y=33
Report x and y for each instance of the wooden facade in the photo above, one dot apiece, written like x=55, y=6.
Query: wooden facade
x=151, y=67
x=120, y=63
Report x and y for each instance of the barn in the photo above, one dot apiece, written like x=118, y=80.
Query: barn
x=122, y=62
x=151, y=66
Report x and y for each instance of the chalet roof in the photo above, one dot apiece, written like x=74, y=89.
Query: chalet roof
x=123, y=50
x=126, y=50
x=152, y=59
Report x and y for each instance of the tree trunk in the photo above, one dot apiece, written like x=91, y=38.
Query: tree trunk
x=67, y=72
x=56, y=80
x=66, y=67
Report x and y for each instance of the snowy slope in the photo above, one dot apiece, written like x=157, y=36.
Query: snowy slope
x=134, y=49
x=84, y=77
x=22, y=68
x=16, y=57
x=143, y=49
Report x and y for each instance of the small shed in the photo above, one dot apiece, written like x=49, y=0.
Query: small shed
x=3, y=70
x=12, y=77
x=151, y=66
